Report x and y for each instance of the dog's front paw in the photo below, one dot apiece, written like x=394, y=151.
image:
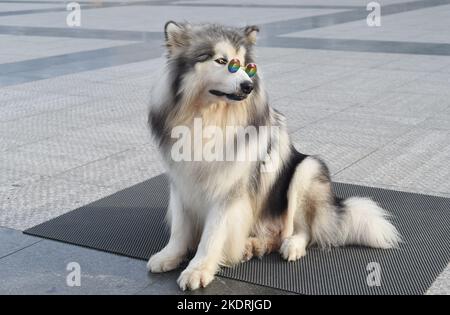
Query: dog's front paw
x=293, y=248
x=163, y=261
x=193, y=278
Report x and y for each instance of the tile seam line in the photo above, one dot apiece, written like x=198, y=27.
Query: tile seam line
x=68, y=108
x=19, y=250
x=408, y=189
x=88, y=163
x=49, y=138
x=87, y=54
x=376, y=150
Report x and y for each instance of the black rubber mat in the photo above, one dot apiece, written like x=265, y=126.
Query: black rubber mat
x=130, y=222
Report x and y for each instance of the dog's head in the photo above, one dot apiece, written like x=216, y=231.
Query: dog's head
x=211, y=63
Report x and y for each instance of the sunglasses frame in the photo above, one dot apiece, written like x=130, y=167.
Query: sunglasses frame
x=235, y=60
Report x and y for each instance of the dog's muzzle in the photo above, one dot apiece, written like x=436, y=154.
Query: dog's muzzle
x=246, y=88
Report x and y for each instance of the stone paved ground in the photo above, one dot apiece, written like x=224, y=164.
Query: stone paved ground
x=372, y=101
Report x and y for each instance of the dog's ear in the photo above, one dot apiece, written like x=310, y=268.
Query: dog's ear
x=250, y=33
x=177, y=36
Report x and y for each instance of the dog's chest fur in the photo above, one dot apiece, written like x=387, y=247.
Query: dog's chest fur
x=207, y=182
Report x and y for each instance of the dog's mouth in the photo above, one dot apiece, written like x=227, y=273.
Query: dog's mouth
x=233, y=97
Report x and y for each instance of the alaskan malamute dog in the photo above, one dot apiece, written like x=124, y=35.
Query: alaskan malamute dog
x=227, y=210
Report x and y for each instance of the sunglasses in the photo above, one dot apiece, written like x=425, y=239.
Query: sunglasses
x=234, y=65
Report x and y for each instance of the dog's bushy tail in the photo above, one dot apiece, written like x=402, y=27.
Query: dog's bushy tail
x=363, y=222
x=334, y=221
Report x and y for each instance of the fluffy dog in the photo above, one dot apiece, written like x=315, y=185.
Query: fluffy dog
x=226, y=210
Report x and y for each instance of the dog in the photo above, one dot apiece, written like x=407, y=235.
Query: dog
x=225, y=211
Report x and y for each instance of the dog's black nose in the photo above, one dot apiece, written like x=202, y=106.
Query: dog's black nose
x=247, y=87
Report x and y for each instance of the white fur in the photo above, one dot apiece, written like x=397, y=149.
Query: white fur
x=365, y=223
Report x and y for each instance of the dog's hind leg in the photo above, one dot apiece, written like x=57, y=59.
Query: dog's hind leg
x=266, y=238
x=309, y=191
x=181, y=237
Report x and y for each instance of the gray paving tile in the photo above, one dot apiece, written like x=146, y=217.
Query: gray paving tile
x=436, y=123
x=307, y=103
x=305, y=78
x=37, y=162
x=8, y=79
x=298, y=116
x=336, y=58
x=412, y=107
x=415, y=161
x=9, y=144
x=356, y=45
x=442, y=284
x=145, y=81
x=396, y=27
x=41, y=200
x=166, y=284
x=59, y=148
x=418, y=63
x=123, y=134
x=8, y=94
x=13, y=241
x=12, y=178
x=39, y=127
x=17, y=108
x=374, y=81
x=435, y=83
x=341, y=98
x=268, y=4
x=411, y=189
x=33, y=47
x=325, y=3
x=119, y=171
x=336, y=156
x=68, y=85
x=41, y=269
x=354, y=130
x=11, y=7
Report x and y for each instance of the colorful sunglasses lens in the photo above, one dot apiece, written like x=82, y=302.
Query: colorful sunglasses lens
x=251, y=70
x=234, y=65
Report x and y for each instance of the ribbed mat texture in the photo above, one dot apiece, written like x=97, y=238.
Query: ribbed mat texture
x=131, y=223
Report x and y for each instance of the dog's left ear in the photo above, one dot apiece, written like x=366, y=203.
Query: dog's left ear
x=250, y=33
x=177, y=36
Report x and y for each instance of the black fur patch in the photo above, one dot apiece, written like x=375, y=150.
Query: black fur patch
x=339, y=203
x=179, y=67
x=156, y=123
x=277, y=200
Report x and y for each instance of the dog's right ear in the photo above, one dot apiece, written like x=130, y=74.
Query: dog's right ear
x=177, y=36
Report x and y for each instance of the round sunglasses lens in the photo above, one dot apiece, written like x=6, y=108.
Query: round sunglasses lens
x=234, y=65
x=251, y=70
